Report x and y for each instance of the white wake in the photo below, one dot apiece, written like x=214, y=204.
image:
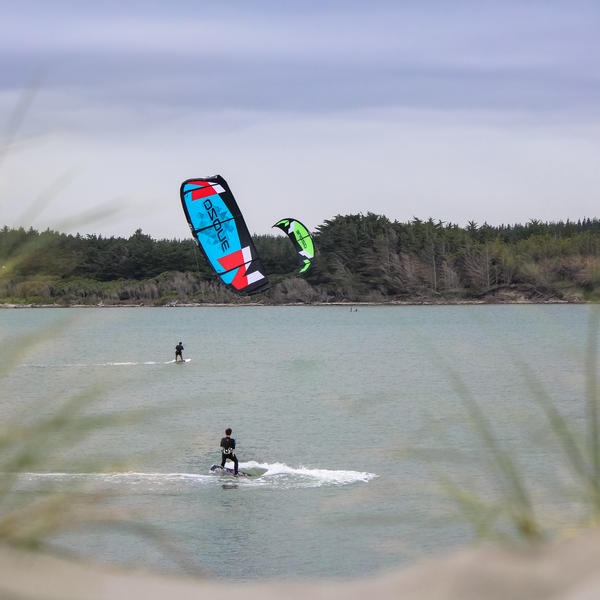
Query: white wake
x=272, y=474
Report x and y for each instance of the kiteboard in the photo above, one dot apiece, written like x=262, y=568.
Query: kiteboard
x=219, y=470
x=248, y=472
x=180, y=362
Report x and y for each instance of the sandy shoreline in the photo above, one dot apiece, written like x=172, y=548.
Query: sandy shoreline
x=568, y=569
x=346, y=304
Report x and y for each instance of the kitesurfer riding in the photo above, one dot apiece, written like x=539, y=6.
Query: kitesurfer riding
x=228, y=450
x=178, y=351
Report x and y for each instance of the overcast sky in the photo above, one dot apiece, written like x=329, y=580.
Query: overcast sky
x=459, y=111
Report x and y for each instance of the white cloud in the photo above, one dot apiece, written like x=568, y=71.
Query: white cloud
x=446, y=166
x=487, y=111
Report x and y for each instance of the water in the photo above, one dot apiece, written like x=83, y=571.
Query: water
x=356, y=417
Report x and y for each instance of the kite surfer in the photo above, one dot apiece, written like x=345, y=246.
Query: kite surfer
x=178, y=351
x=228, y=451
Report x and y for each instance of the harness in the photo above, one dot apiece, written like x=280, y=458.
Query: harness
x=227, y=446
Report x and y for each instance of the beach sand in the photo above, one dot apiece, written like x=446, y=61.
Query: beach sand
x=568, y=569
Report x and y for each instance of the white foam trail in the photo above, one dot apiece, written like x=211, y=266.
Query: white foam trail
x=105, y=364
x=121, y=483
x=120, y=477
x=274, y=474
x=118, y=364
x=310, y=476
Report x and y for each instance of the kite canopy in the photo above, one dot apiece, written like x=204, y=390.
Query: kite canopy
x=218, y=226
x=301, y=239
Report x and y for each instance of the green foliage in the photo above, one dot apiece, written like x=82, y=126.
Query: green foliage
x=359, y=258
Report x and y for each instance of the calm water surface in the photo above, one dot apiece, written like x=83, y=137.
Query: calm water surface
x=357, y=417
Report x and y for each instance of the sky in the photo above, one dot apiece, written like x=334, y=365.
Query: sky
x=485, y=111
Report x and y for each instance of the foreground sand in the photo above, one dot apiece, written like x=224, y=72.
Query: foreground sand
x=566, y=570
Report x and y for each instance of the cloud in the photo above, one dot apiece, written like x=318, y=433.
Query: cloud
x=482, y=111
x=401, y=165
x=477, y=55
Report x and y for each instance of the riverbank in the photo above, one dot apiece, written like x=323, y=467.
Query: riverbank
x=214, y=305
x=568, y=569
x=347, y=304
x=508, y=294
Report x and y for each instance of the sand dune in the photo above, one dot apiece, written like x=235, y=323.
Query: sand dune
x=564, y=570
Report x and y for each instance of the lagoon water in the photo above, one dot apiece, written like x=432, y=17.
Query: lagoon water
x=358, y=417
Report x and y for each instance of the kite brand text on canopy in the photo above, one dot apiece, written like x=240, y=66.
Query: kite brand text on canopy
x=216, y=223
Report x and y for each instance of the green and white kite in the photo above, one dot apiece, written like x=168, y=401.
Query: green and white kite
x=301, y=239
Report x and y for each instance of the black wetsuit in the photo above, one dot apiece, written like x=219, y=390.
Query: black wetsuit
x=178, y=351
x=227, y=452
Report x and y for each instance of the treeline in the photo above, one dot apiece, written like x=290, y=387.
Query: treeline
x=360, y=258
x=369, y=257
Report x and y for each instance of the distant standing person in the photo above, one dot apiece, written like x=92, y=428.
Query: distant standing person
x=228, y=451
x=178, y=351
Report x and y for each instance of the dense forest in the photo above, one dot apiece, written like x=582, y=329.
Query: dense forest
x=360, y=258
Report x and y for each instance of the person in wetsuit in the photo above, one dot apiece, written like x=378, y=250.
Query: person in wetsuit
x=178, y=351
x=228, y=450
